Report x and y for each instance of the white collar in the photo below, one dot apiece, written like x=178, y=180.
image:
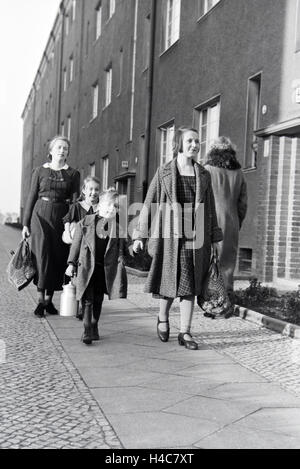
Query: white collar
x=48, y=165
x=87, y=207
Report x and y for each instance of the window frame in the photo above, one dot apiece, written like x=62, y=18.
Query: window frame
x=95, y=101
x=99, y=15
x=170, y=28
x=165, y=154
x=71, y=69
x=203, y=8
x=108, y=86
x=197, y=120
x=105, y=172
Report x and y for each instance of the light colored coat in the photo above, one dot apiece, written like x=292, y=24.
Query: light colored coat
x=82, y=253
x=162, y=278
x=230, y=192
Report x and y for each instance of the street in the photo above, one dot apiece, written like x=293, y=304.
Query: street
x=240, y=390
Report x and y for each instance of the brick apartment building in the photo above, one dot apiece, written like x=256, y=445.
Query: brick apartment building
x=118, y=75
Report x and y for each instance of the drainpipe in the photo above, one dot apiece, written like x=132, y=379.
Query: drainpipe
x=149, y=93
x=60, y=66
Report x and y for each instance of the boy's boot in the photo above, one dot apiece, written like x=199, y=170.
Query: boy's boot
x=87, y=324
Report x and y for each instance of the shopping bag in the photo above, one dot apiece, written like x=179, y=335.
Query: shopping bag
x=214, y=300
x=21, y=268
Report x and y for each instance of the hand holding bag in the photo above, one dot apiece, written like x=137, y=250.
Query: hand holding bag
x=21, y=268
x=214, y=300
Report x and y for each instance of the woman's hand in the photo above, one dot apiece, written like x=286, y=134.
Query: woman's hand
x=25, y=232
x=70, y=272
x=138, y=246
x=216, y=249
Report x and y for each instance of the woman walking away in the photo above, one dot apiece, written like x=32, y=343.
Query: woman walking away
x=54, y=185
x=183, y=194
x=97, y=253
x=230, y=192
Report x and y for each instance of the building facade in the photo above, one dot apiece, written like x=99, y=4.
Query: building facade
x=117, y=76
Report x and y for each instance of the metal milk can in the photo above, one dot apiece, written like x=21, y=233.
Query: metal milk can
x=68, y=302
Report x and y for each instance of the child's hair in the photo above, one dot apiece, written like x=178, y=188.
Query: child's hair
x=110, y=193
x=85, y=182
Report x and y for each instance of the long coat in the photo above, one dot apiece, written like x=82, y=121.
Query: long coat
x=164, y=249
x=230, y=192
x=83, y=251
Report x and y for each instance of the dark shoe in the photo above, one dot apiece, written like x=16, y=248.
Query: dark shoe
x=50, y=309
x=40, y=310
x=189, y=344
x=163, y=335
x=87, y=335
x=95, y=332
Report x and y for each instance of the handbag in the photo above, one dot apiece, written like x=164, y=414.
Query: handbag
x=65, y=236
x=21, y=268
x=214, y=300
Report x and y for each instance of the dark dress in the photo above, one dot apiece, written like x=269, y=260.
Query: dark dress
x=45, y=218
x=76, y=213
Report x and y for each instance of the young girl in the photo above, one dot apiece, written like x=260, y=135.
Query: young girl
x=98, y=252
x=86, y=204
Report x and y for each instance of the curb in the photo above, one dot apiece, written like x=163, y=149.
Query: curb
x=276, y=325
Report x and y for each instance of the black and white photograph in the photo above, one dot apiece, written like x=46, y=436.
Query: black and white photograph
x=150, y=227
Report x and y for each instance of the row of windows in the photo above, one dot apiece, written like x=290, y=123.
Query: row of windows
x=206, y=119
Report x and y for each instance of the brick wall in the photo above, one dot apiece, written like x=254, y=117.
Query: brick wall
x=278, y=239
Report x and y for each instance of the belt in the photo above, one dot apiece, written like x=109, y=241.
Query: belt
x=62, y=201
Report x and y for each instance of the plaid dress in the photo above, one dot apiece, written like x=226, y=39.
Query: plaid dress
x=186, y=189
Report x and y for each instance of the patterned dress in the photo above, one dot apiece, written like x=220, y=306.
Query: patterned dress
x=48, y=202
x=186, y=188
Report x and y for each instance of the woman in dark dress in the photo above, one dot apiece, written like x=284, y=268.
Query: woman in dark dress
x=185, y=231
x=54, y=186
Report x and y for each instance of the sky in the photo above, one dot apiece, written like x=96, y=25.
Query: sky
x=25, y=26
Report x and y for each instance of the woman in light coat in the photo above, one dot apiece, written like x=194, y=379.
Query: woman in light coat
x=182, y=194
x=230, y=193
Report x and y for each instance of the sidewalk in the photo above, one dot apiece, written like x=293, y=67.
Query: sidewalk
x=240, y=390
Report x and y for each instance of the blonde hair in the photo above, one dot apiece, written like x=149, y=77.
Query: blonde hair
x=110, y=193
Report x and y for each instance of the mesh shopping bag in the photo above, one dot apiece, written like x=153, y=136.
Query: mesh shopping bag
x=21, y=268
x=214, y=300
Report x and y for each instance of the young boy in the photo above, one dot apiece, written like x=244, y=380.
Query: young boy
x=97, y=253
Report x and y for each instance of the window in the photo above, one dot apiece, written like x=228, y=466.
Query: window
x=95, y=100
x=245, y=261
x=73, y=10
x=65, y=79
x=121, y=66
x=166, y=143
x=105, y=168
x=171, y=22
x=71, y=69
x=93, y=170
x=207, y=121
x=69, y=123
x=252, y=121
x=111, y=8
x=298, y=27
x=205, y=6
x=67, y=25
x=108, y=86
x=146, y=43
x=87, y=43
x=62, y=129
x=98, y=21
